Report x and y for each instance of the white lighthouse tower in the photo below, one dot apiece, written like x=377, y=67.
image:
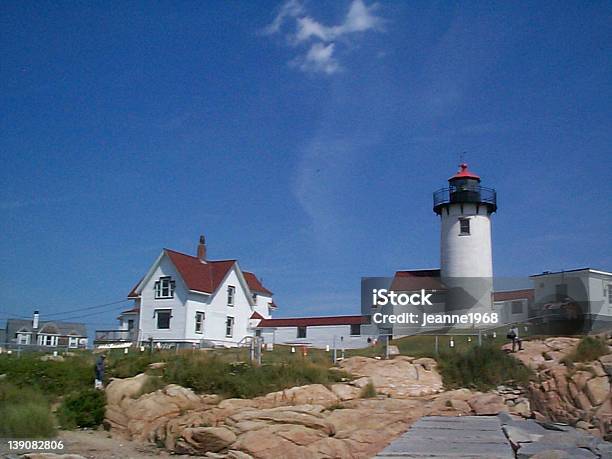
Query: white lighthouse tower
x=466, y=262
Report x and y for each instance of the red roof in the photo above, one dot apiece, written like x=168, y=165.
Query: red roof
x=527, y=293
x=256, y=315
x=312, y=321
x=464, y=172
x=411, y=281
x=204, y=277
x=254, y=283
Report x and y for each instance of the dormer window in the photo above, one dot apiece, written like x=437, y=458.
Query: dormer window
x=164, y=288
x=231, y=293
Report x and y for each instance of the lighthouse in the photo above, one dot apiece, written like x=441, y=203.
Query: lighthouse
x=466, y=262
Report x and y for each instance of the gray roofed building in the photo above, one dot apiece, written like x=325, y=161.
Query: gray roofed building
x=47, y=333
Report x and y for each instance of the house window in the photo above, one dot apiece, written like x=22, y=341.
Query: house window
x=517, y=307
x=47, y=340
x=164, y=288
x=355, y=329
x=258, y=332
x=199, y=322
x=131, y=324
x=229, y=327
x=255, y=297
x=163, y=318
x=23, y=338
x=464, y=227
x=301, y=332
x=73, y=342
x=610, y=293
x=231, y=293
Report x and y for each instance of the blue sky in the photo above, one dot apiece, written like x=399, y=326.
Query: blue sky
x=303, y=138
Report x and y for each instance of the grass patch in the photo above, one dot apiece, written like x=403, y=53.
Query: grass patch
x=368, y=391
x=212, y=374
x=589, y=348
x=482, y=368
x=24, y=413
x=53, y=378
x=82, y=409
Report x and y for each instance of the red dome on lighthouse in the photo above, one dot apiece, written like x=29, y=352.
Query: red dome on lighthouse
x=464, y=173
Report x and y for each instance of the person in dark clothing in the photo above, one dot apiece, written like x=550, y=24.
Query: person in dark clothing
x=99, y=369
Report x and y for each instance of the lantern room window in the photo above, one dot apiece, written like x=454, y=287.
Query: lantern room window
x=464, y=227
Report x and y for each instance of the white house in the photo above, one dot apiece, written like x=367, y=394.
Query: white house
x=342, y=332
x=186, y=300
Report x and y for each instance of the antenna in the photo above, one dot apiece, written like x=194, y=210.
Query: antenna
x=462, y=157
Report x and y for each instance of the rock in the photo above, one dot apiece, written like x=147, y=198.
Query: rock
x=606, y=363
x=516, y=435
x=157, y=365
x=51, y=456
x=426, y=362
x=361, y=382
x=51, y=357
x=197, y=440
x=346, y=392
x=237, y=404
x=487, y=404
x=304, y=415
x=400, y=377
x=393, y=350
x=546, y=451
x=264, y=443
x=598, y=389
x=312, y=394
x=460, y=405
x=118, y=389
x=583, y=425
x=522, y=408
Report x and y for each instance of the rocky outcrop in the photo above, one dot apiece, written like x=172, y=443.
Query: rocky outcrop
x=400, y=377
x=545, y=440
x=579, y=396
x=305, y=422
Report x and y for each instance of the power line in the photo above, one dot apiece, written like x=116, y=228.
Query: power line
x=81, y=316
x=86, y=308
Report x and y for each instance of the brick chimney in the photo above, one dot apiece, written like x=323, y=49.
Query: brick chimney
x=202, y=249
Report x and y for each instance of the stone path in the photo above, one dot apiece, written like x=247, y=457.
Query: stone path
x=440, y=437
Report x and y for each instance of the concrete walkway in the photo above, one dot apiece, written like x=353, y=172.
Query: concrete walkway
x=439, y=437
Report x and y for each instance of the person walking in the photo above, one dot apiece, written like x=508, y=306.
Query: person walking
x=99, y=370
x=513, y=335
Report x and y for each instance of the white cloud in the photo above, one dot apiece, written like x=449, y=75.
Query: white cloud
x=319, y=58
x=290, y=9
x=321, y=39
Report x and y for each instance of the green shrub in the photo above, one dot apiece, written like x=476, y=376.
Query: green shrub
x=211, y=374
x=24, y=413
x=481, y=367
x=368, y=391
x=82, y=409
x=52, y=377
x=120, y=365
x=589, y=348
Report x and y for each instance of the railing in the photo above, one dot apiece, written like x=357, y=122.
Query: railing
x=465, y=194
x=112, y=336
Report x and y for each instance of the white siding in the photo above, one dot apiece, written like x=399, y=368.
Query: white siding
x=148, y=323
x=317, y=336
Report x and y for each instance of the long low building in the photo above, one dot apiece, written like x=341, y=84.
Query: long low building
x=341, y=332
